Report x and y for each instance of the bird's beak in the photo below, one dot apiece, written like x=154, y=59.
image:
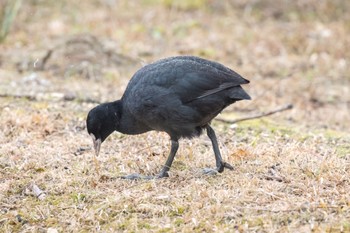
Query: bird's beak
x=97, y=144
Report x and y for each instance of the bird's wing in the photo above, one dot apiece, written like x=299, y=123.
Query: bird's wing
x=197, y=80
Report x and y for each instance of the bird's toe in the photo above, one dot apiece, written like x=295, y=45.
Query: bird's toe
x=136, y=176
x=225, y=165
x=210, y=171
x=219, y=169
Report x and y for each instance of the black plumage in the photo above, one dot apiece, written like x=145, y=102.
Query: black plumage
x=177, y=95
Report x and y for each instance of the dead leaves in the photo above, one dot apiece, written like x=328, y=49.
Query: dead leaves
x=241, y=154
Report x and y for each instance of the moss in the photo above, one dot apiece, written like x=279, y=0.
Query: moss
x=51, y=221
x=255, y=222
x=56, y=200
x=123, y=226
x=143, y=225
x=177, y=211
x=164, y=230
x=268, y=128
x=346, y=226
x=343, y=150
x=179, y=222
x=39, y=169
x=78, y=197
x=333, y=134
x=179, y=165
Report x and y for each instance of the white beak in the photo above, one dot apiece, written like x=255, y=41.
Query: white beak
x=97, y=144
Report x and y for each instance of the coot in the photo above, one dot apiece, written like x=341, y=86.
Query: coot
x=178, y=95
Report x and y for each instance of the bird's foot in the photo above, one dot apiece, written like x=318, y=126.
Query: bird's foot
x=136, y=176
x=219, y=169
x=210, y=171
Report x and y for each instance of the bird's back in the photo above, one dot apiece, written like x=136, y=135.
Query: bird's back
x=180, y=95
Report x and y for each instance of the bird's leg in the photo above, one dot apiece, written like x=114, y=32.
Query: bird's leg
x=169, y=161
x=165, y=169
x=220, y=164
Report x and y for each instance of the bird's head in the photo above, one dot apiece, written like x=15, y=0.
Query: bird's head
x=101, y=122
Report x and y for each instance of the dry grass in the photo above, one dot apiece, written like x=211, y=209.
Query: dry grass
x=292, y=170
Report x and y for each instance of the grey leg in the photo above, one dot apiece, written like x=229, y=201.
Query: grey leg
x=169, y=161
x=166, y=168
x=220, y=164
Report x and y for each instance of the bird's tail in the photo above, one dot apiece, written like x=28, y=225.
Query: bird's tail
x=238, y=93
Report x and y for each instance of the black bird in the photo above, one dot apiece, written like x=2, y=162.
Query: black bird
x=178, y=95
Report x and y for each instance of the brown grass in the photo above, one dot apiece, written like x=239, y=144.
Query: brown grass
x=292, y=169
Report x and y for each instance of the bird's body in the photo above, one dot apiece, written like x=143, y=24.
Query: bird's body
x=177, y=95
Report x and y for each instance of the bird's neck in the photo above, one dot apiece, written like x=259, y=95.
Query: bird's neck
x=114, y=113
x=112, y=118
x=128, y=124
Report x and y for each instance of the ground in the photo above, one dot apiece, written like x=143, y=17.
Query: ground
x=292, y=169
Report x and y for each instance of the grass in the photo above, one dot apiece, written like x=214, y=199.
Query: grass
x=7, y=16
x=291, y=169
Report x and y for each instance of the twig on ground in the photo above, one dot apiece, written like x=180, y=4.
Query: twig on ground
x=44, y=59
x=284, y=108
x=273, y=174
x=40, y=194
x=27, y=97
x=276, y=178
x=94, y=44
x=61, y=96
